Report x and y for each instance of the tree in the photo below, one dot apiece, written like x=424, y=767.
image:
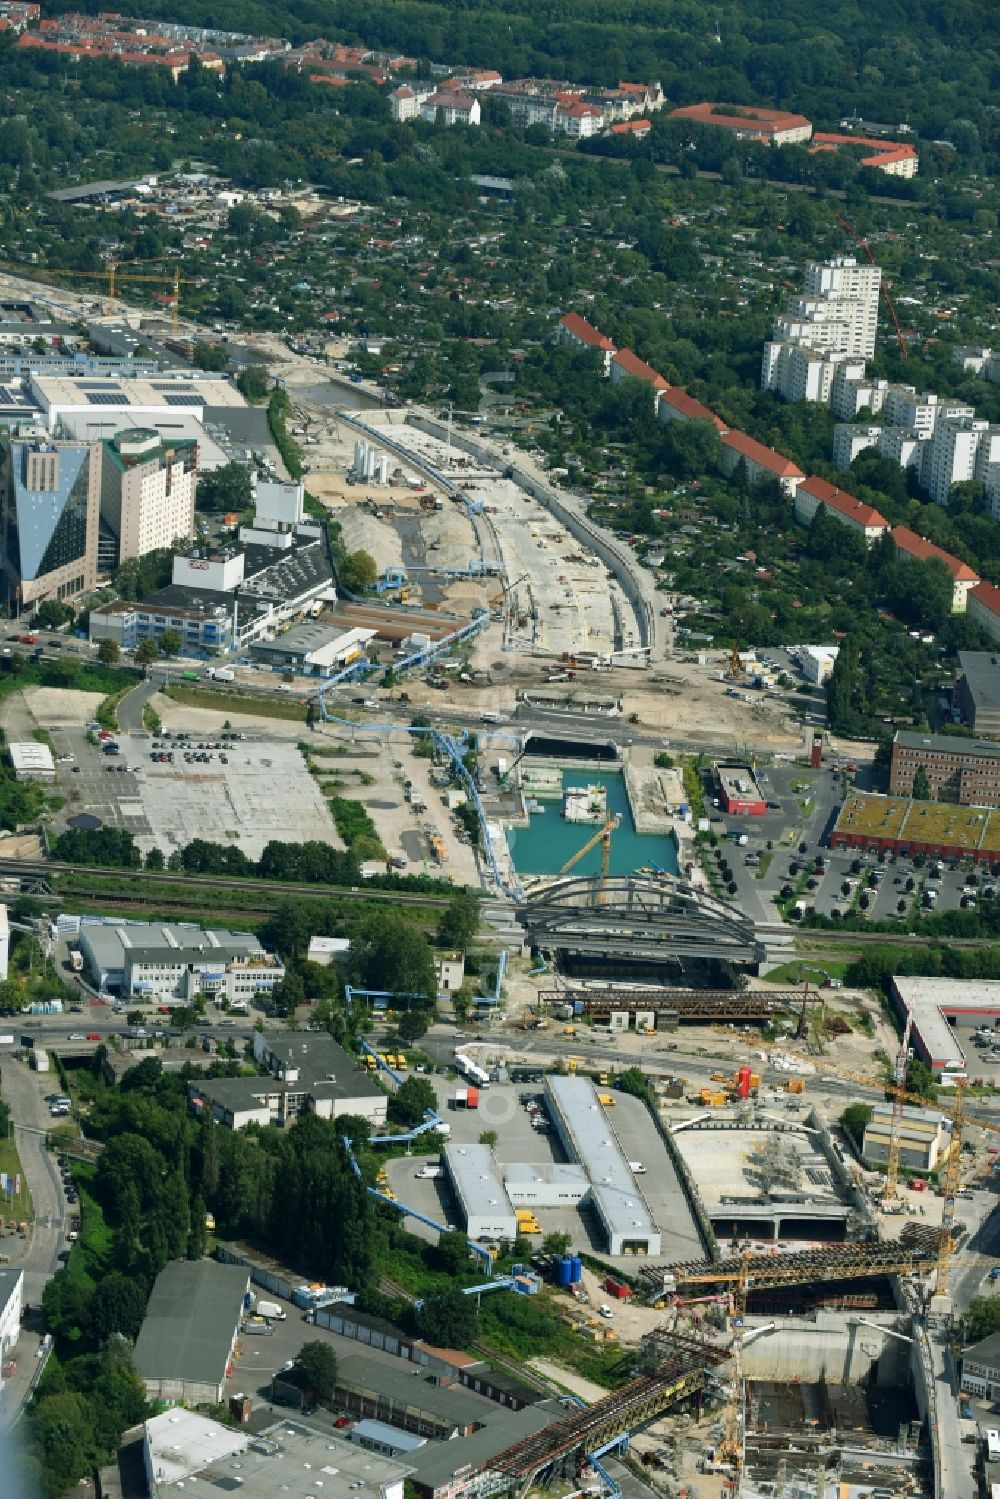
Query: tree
x=225, y=489
x=459, y=921
x=253, y=383
x=315, y=1370
x=921, y=791
x=170, y=642
x=489, y=1137
x=853, y=1121
x=556, y=1244
x=108, y=652
x=146, y=652
x=633, y=1080
x=413, y=1025
x=410, y=1102
x=54, y=613
x=388, y=953
x=981, y=1319
x=920, y=1079
x=448, y=1319
x=117, y=1306
x=209, y=356
x=452, y=1253
x=358, y=571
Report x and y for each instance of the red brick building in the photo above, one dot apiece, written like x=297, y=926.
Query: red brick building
x=966, y=771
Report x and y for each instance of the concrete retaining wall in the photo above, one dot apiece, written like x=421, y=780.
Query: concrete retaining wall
x=828, y=1347
x=614, y=559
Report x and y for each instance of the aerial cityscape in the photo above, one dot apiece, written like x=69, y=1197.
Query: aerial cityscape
x=500, y=757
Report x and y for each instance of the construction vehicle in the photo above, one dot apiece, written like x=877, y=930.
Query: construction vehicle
x=605, y=1100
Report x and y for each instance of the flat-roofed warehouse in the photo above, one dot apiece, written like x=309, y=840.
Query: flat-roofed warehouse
x=936, y=1006
x=589, y=1139
x=189, y=1331
x=482, y=1197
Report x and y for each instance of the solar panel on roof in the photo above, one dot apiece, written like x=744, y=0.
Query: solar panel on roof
x=99, y=385
x=106, y=398
x=182, y=400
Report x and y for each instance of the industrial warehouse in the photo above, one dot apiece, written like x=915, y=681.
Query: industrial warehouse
x=597, y=1175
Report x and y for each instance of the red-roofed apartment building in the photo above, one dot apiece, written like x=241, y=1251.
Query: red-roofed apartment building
x=762, y=463
x=574, y=329
x=677, y=406
x=982, y=605
x=772, y=127
x=814, y=493
x=628, y=366
x=913, y=548
x=891, y=157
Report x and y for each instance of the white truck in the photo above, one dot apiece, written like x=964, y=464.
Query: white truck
x=271, y=1310
x=221, y=674
x=430, y=1171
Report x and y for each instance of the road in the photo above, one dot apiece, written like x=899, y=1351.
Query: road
x=37, y=1255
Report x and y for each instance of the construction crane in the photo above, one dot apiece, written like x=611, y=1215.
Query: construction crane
x=860, y=240
x=118, y=271
x=954, y=1111
x=752, y=1276
x=898, y=1099
x=603, y=837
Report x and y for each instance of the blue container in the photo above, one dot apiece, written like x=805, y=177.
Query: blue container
x=564, y=1271
x=576, y=1274
x=578, y=1007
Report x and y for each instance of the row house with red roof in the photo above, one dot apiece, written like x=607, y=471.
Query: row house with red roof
x=575, y=330
x=762, y=463
x=625, y=365
x=913, y=548
x=815, y=494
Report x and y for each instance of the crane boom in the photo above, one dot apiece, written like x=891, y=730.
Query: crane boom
x=603, y=837
x=860, y=240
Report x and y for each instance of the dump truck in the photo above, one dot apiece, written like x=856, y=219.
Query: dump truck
x=796, y=1085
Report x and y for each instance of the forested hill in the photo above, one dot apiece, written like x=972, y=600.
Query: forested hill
x=927, y=62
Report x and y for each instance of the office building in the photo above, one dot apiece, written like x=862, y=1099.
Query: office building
x=165, y=961
x=976, y=693
x=925, y=1137
x=749, y=122
x=966, y=771
x=147, y=490
x=11, y=1297
x=187, y=1454
x=981, y=1378
x=189, y=1331
x=305, y=1073
x=51, y=520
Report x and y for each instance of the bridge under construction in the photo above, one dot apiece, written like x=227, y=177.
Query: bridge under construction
x=568, y=1442
x=671, y=1006
x=642, y=926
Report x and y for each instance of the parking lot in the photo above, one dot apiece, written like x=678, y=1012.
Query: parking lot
x=501, y=1111
x=241, y=792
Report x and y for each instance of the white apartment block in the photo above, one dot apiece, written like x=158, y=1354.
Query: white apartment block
x=849, y=441
x=798, y=373
x=405, y=102
x=852, y=391
x=903, y=407
x=450, y=108
x=836, y=314
x=905, y=447
x=952, y=455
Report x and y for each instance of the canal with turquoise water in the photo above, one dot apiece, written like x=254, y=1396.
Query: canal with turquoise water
x=544, y=846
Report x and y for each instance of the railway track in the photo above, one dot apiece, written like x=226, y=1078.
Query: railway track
x=43, y=869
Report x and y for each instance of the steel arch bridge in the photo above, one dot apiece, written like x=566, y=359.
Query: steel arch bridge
x=657, y=919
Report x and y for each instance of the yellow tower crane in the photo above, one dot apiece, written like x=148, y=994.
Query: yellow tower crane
x=603, y=837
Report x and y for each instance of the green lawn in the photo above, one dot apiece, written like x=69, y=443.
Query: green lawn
x=18, y=1207
x=238, y=702
x=796, y=972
